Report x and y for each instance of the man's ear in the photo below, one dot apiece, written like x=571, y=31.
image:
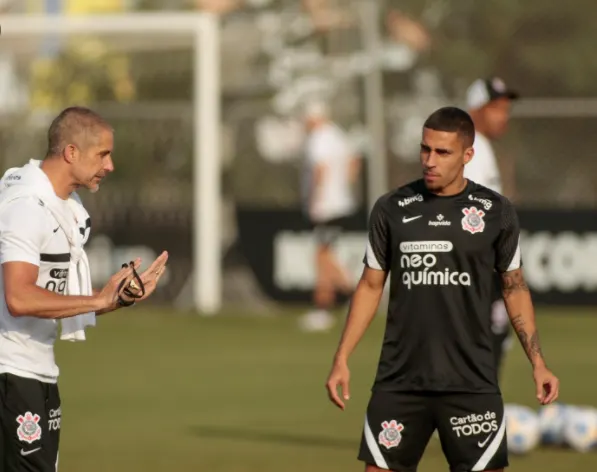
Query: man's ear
x=468, y=155
x=70, y=153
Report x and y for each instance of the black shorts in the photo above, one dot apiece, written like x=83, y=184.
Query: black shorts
x=327, y=232
x=29, y=425
x=471, y=429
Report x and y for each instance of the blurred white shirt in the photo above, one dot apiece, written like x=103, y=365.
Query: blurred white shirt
x=329, y=145
x=483, y=168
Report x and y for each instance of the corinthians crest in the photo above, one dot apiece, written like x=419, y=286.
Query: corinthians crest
x=29, y=430
x=473, y=220
x=390, y=435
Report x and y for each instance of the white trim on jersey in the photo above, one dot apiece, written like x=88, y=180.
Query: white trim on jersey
x=374, y=448
x=372, y=261
x=516, y=259
x=492, y=448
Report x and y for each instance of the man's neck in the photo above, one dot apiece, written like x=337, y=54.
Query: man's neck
x=319, y=124
x=454, y=188
x=63, y=186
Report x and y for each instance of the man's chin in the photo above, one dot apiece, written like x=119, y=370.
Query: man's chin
x=432, y=186
x=93, y=188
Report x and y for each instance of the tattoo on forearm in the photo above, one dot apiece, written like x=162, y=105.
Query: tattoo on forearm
x=512, y=282
x=530, y=343
x=535, y=346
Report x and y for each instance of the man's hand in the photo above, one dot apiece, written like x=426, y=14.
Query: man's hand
x=548, y=385
x=150, y=277
x=108, y=296
x=363, y=307
x=339, y=377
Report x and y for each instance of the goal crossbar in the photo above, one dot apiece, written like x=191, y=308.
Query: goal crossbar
x=150, y=22
x=204, y=29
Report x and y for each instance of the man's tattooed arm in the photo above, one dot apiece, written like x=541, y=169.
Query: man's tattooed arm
x=513, y=282
x=530, y=344
x=518, y=302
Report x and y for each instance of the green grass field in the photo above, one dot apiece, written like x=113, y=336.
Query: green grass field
x=161, y=391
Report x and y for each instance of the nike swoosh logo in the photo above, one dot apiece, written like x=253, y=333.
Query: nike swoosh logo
x=26, y=453
x=482, y=444
x=406, y=220
x=57, y=229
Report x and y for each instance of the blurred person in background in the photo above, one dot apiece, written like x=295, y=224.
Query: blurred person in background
x=489, y=102
x=328, y=15
x=403, y=29
x=330, y=170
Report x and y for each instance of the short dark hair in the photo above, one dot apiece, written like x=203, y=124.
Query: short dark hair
x=453, y=120
x=73, y=126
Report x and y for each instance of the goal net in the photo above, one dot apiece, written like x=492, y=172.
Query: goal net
x=155, y=78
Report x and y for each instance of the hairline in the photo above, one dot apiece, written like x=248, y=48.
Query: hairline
x=83, y=122
x=461, y=136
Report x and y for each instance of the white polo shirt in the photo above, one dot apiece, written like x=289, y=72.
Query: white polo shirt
x=29, y=233
x=330, y=146
x=483, y=168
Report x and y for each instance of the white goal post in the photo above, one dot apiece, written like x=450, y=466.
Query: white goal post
x=204, y=29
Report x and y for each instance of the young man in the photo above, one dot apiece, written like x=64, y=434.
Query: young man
x=440, y=238
x=45, y=279
x=489, y=103
x=329, y=174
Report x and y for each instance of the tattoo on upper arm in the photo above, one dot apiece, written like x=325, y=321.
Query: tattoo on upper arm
x=530, y=343
x=513, y=281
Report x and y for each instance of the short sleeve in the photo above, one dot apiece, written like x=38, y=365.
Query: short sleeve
x=23, y=231
x=378, y=253
x=507, y=251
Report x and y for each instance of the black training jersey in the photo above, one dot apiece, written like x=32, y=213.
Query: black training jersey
x=441, y=253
